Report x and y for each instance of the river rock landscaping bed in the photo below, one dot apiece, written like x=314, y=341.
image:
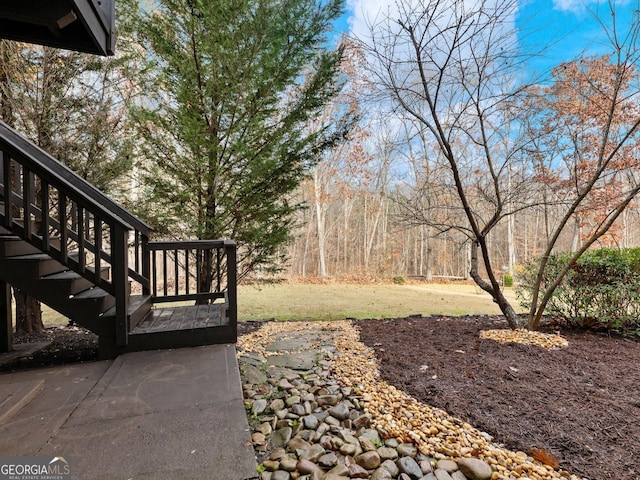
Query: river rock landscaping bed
x=319, y=410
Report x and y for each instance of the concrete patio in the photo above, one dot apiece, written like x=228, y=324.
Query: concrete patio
x=164, y=414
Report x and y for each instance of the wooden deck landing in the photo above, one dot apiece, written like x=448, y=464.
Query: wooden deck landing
x=177, y=327
x=183, y=318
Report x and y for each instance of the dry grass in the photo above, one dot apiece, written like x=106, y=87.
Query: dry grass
x=296, y=301
x=337, y=301
x=52, y=318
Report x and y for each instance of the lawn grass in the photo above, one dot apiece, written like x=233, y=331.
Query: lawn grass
x=337, y=301
x=52, y=318
x=300, y=301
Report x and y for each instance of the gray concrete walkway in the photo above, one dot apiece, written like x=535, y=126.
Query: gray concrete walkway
x=166, y=414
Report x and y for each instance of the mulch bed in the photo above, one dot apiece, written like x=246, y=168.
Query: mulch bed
x=580, y=403
x=69, y=344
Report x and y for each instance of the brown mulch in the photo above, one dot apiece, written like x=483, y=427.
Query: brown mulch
x=68, y=344
x=580, y=403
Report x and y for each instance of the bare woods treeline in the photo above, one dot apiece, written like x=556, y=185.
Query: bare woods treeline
x=368, y=235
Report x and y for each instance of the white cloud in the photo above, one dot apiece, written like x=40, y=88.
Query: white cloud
x=574, y=6
x=584, y=6
x=365, y=12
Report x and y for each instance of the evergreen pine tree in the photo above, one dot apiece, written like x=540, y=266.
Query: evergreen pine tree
x=232, y=88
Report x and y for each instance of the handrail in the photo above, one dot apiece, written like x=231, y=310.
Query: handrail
x=200, y=270
x=42, y=163
x=46, y=195
x=42, y=196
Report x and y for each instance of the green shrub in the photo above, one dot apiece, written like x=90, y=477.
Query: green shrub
x=507, y=280
x=398, y=280
x=601, y=290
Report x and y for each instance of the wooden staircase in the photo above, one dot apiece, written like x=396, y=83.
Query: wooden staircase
x=67, y=244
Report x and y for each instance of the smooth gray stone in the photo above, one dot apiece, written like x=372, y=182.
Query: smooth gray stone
x=259, y=406
x=281, y=437
x=475, y=469
x=291, y=344
x=313, y=453
x=253, y=375
x=442, y=474
x=458, y=475
x=340, y=411
x=294, y=361
x=409, y=466
x=407, y=450
x=311, y=422
x=280, y=475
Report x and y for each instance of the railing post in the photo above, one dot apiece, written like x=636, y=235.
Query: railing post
x=146, y=263
x=8, y=190
x=120, y=280
x=64, y=227
x=6, y=318
x=44, y=214
x=232, y=286
x=27, y=193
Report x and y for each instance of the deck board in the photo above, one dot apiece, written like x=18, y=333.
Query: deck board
x=175, y=321
x=155, y=322
x=183, y=318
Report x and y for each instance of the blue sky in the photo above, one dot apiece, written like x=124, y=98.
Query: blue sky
x=570, y=27
x=566, y=26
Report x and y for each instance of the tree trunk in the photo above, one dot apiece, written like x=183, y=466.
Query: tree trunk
x=511, y=245
x=28, y=313
x=371, y=238
x=6, y=318
x=320, y=226
x=577, y=231
x=492, y=288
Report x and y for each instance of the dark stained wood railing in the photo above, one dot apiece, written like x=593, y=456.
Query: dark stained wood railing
x=64, y=216
x=200, y=270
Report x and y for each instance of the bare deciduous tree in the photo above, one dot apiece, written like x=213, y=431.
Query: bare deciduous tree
x=447, y=64
x=454, y=67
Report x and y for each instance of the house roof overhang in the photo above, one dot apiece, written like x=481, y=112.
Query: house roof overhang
x=82, y=25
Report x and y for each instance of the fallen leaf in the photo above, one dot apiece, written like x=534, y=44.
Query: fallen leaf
x=545, y=457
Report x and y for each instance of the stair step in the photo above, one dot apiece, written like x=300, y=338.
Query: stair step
x=92, y=302
x=139, y=307
x=103, y=324
x=105, y=270
x=12, y=246
x=36, y=265
x=67, y=283
x=91, y=294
